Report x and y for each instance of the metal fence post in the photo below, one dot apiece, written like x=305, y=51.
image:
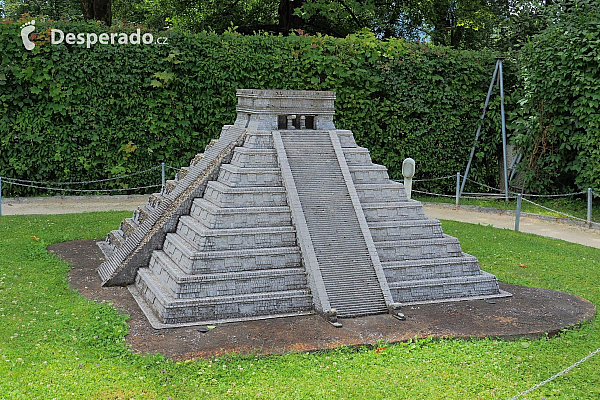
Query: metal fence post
x=0, y=196
x=518, y=213
x=503, y=119
x=163, y=175
x=457, y=188
x=589, y=207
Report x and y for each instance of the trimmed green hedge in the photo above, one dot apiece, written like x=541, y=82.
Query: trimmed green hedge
x=71, y=113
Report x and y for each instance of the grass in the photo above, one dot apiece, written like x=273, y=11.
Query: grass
x=56, y=344
x=576, y=207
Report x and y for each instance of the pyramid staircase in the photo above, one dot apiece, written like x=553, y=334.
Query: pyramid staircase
x=285, y=215
x=115, y=239
x=343, y=257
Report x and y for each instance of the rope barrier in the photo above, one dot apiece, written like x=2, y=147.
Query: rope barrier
x=484, y=185
x=82, y=182
x=551, y=195
x=493, y=195
x=433, y=179
x=470, y=195
x=453, y=196
x=79, y=190
x=529, y=194
x=555, y=211
x=432, y=194
x=15, y=181
x=564, y=371
x=497, y=189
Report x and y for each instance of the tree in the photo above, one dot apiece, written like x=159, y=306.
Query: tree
x=98, y=10
x=53, y=9
x=456, y=23
x=462, y=23
x=524, y=20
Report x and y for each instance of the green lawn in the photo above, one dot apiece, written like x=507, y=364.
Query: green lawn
x=56, y=344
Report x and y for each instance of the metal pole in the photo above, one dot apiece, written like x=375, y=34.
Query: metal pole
x=513, y=169
x=0, y=196
x=457, y=187
x=503, y=130
x=518, y=216
x=487, y=101
x=163, y=175
x=589, y=207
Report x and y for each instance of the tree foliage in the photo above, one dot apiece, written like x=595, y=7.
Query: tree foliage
x=463, y=24
x=558, y=124
x=523, y=20
x=455, y=23
x=97, y=10
x=55, y=9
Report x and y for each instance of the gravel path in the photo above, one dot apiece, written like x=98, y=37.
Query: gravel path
x=501, y=219
x=529, y=224
x=71, y=204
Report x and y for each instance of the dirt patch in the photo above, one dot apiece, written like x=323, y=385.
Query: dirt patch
x=529, y=313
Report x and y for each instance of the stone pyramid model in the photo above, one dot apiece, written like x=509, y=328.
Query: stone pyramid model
x=285, y=215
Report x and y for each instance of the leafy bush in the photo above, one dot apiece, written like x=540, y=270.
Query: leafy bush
x=72, y=113
x=559, y=123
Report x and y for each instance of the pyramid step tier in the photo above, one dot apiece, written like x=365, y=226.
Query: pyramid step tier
x=403, y=250
x=369, y=174
x=406, y=230
x=128, y=227
x=142, y=213
x=182, y=173
x=114, y=239
x=205, y=239
x=215, y=217
x=259, y=140
x=224, y=195
x=220, y=308
x=181, y=285
x=209, y=262
x=346, y=138
x=238, y=176
x=254, y=158
x=154, y=200
x=444, y=289
x=433, y=268
x=170, y=185
x=381, y=192
x=357, y=156
x=393, y=211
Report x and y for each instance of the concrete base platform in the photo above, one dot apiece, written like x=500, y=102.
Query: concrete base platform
x=529, y=313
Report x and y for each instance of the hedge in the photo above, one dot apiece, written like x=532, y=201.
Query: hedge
x=71, y=113
x=558, y=125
